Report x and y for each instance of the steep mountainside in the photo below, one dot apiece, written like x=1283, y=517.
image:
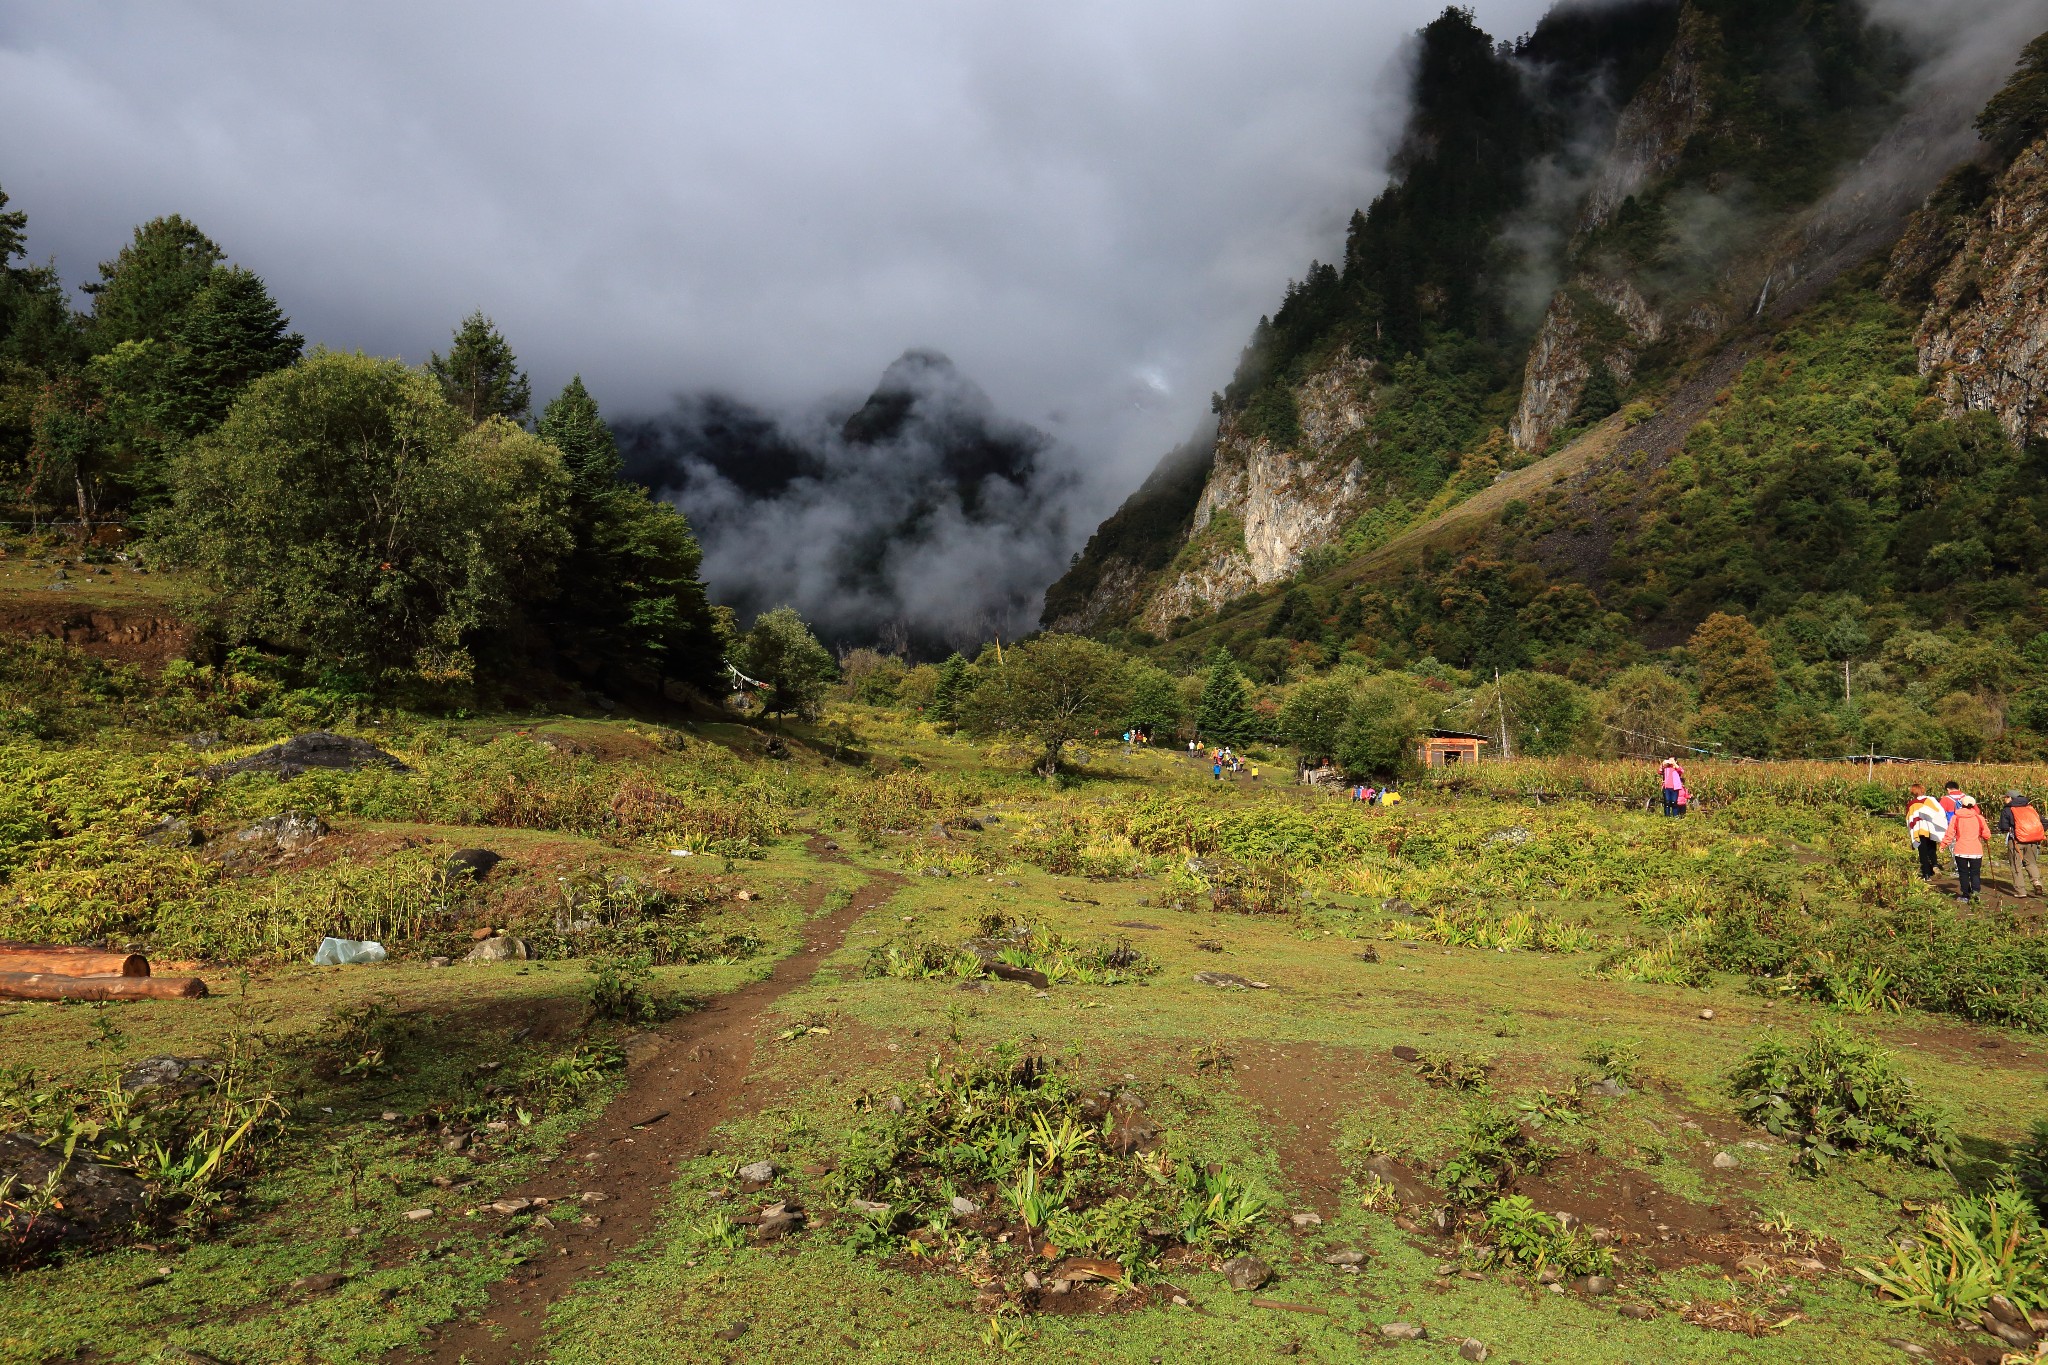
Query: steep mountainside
x=1578, y=223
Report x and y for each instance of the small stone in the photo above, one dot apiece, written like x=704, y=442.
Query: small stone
x=1555, y=1288
x=438, y=961
x=1610, y=1088
x=389, y=1116
x=1246, y=1273
x=1641, y=1312
x=1472, y=1349
x=2016, y=1337
x=1597, y=1284
x=320, y=1283
x=1706, y=1014
x=1910, y=1348
x=1726, y=1161
x=589, y=1197
x=964, y=1207
x=1031, y=1280
x=418, y=1215
x=509, y=1205
x=1345, y=1257
x=1548, y=1275
x=868, y=1206
x=1306, y=1220
x=1403, y=1331
x=758, y=1172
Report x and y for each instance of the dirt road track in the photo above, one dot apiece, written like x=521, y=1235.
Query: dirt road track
x=691, y=1077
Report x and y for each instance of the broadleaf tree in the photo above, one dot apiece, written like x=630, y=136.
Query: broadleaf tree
x=1051, y=691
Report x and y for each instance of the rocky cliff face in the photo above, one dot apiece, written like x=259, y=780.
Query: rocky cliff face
x=1265, y=506
x=1984, y=337
x=1651, y=133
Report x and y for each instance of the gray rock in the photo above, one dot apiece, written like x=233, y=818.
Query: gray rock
x=315, y=749
x=1472, y=1349
x=1641, y=1312
x=1230, y=980
x=1597, y=1284
x=1246, y=1272
x=1611, y=1088
x=287, y=832
x=1726, y=1161
x=92, y=1204
x=172, y=833
x=1403, y=1331
x=1306, y=1220
x=2005, y=1310
x=503, y=948
x=2016, y=1337
x=934, y=872
x=1346, y=1257
x=176, y=1074
x=964, y=1207
x=759, y=1172
x=320, y=1283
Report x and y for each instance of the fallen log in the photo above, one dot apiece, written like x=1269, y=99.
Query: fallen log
x=66, y=961
x=55, y=986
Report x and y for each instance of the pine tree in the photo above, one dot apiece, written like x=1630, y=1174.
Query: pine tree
x=1224, y=716
x=233, y=333
x=143, y=293
x=951, y=687
x=571, y=422
x=480, y=376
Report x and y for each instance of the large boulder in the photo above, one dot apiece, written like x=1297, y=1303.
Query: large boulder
x=316, y=749
x=87, y=1204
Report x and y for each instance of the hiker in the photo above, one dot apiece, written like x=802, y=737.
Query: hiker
x=1926, y=822
x=1949, y=793
x=2020, y=823
x=1968, y=834
x=1673, y=778
x=1684, y=801
x=1390, y=797
x=1217, y=770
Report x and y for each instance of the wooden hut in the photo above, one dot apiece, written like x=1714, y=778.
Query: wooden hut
x=1443, y=748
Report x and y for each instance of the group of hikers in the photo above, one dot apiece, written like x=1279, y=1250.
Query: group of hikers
x=1955, y=822
x=1677, y=796
x=1383, y=796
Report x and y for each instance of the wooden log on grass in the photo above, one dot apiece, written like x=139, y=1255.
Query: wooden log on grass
x=60, y=960
x=56, y=986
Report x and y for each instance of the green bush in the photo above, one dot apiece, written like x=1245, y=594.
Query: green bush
x=1966, y=1252
x=1834, y=1093
x=1515, y=1234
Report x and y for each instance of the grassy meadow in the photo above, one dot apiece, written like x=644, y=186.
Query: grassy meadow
x=1480, y=1049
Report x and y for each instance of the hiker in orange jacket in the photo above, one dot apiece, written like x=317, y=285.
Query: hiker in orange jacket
x=1967, y=835
x=2020, y=823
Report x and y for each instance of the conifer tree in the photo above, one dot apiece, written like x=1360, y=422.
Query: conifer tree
x=232, y=334
x=480, y=376
x=143, y=293
x=952, y=686
x=1224, y=716
x=572, y=423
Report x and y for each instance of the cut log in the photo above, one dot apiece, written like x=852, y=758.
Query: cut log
x=65, y=961
x=54, y=986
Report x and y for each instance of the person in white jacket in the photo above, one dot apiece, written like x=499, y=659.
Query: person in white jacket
x=1926, y=823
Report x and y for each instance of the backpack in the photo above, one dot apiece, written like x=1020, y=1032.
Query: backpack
x=2026, y=825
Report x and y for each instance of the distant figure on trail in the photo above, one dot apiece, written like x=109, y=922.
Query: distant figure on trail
x=1926, y=822
x=1968, y=834
x=1673, y=778
x=2020, y=823
x=1217, y=769
x=1684, y=802
x=1390, y=797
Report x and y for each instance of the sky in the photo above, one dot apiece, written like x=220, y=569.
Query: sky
x=1085, y=205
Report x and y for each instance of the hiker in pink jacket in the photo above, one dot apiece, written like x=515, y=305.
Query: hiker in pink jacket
x=1674, y=783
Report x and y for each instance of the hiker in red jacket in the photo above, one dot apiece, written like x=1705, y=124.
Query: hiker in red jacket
x=1968, y=834
x=2020, y=823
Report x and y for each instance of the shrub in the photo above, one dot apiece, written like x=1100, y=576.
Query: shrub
x=1520, y=1236
x=1492, y=1150
x=622, y=990
x=1967, y=1252
x=1835, y=1093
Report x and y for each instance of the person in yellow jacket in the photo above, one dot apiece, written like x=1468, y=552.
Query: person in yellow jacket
x=1926, y=822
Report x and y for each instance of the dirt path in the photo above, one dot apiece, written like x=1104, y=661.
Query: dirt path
x=677, y=1090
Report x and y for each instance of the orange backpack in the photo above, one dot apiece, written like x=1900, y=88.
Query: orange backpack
x=2026, y=825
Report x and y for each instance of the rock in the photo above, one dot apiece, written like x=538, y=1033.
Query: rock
x=176, y=1074
x=320, y=1283
x=1346, y=1257
x=94, y=1203
x=1726, y=1161
x=1229, y=979
x=1403, y=1331
x=963, y=1207
x=775, y=1226
x=509, y=1205
x=2016, y=1337
x=1910, y=1348
x=1306, y=1220
x=1031, y=1280
x=867, y=1206
x=1404, y=1053
x=589, y=1197
x=829, y=846
x=1398, y=906
x=1611, y=1088
x=439, y=961
x=1597, y=1284
x=2005, y=1310
x=1706, y=1014
x=455, y=1142
x=894, y=1104
x=732, y=1333
x=759, y=1172
x=503, y=948
x=315, y=749
x=934, y=872
x=287, y=832
x=1370, y=954
x=170, y=833
x=1641, y=1312
x=418, y=1215
x=1472, y=1349
x=475, y=862
x=1548, y=1275
x=1245, y=1273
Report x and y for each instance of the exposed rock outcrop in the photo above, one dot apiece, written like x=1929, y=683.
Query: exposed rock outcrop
x=1984, y=337
x=1654, y=127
